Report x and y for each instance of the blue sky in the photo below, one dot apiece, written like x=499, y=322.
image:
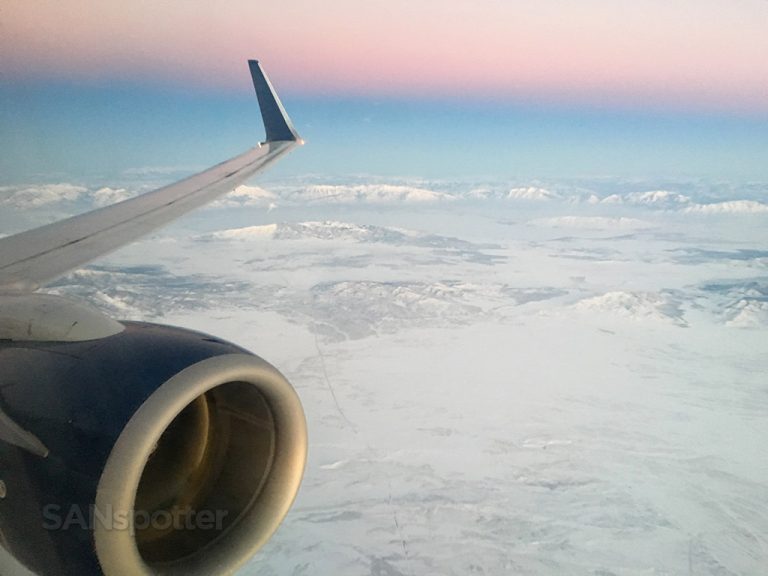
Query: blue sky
x=455, y=88
x=86, y=130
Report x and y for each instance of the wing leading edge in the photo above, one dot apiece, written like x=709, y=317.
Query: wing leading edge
x=32, y=258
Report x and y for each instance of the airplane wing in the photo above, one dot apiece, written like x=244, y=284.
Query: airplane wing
x=32, y=258
x=117, y=422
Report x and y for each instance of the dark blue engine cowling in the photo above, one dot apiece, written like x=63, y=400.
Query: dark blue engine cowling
x=78, y=399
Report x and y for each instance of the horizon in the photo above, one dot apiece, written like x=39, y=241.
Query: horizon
x=71, y=131
x=456, y=89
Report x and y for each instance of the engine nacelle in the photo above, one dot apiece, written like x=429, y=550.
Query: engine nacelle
x=155, y=450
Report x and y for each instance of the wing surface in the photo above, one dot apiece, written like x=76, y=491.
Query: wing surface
x=30, y=259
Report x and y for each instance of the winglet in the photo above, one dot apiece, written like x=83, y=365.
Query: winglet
x=276, y=121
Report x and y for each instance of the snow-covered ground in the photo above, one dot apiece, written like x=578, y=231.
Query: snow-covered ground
x=498, y=378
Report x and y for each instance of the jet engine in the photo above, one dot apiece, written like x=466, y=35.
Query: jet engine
x=133, y=449
x=149, y=450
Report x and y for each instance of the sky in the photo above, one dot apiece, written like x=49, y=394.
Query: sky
x=427, y=88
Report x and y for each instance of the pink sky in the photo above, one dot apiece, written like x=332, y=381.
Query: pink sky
x=703, y=54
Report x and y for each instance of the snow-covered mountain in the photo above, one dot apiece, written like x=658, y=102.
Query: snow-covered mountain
x=729, y=207
x=34, y=196
x=690, y=199
x=336, y=230
x=634, y=306
x=248, y=196
x=532, y=193
x=748, y=313
x=367, y=193
x=534, y=386
x=655, y=198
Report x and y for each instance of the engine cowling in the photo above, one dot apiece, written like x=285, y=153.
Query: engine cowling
x=155, y=450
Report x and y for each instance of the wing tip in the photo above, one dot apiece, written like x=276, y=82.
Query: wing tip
x=277, y=124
